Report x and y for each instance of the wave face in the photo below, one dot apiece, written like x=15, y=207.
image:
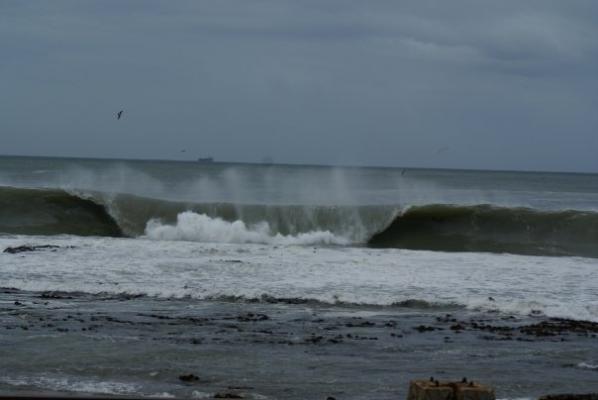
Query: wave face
x=52, y=212
x=487, y=228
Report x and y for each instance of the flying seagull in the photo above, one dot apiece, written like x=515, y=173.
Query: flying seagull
x=442, y=150
x=119, y=114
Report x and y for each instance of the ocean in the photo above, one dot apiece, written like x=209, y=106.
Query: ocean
x=121, y=277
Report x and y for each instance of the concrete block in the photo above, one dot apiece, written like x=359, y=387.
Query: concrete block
x=435, y=390
x=473, y=391
x=429, y=390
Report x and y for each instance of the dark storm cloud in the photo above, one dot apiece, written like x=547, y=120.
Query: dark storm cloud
x=502, y=84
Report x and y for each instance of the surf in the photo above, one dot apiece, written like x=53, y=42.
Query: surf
x=436, y=227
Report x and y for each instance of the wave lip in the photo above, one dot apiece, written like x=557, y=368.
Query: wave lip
x=486, y=228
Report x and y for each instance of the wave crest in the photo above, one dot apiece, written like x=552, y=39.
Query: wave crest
x=486, y=228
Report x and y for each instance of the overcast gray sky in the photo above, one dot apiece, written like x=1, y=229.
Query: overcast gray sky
x=459, y=84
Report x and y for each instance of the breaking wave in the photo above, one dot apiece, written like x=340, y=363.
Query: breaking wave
x=56, y=211
x=436, y=227
x=487, y=228
x=52, y=212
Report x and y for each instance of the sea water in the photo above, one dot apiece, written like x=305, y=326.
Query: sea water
x=309, y=247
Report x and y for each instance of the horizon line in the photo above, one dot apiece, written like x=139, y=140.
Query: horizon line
x=290, y=164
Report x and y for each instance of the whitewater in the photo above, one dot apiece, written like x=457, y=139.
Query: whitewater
x=287, y=268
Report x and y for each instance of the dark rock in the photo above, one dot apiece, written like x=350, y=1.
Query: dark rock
x=588, y=396
x=24, y=248
x=423, y=328
x=251, y=317
x=314, y=339
x=364, y=324
x=228, y=396
x=189, y=378
x=559, y=326
x=55, y=295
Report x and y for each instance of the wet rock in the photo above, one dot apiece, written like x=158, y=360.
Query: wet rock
x=457, y=327
x=314, y=339
x=364, y=324
x=589, y=396
x=228, y=396
x=337, y=339
x=423, y=328
x=559, y=326
x=251, y=317
x=55, y=295
x=189, y=378
x=25, y=248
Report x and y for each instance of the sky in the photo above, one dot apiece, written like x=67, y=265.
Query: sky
x=509, y=84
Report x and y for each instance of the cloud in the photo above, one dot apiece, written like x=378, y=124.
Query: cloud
x=305, y=81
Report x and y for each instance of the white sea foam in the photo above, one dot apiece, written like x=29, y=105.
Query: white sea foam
x=195, y=227
x=73, y=385
x=587, y=365
x=556, y=286
x=164, y=395
x=196, y=394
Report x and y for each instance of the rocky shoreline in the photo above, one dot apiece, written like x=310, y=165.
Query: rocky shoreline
x=210, y=347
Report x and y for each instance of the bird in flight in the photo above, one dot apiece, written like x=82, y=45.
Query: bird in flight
x=119, y=114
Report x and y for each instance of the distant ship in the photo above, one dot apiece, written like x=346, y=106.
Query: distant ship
x=206, y=160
